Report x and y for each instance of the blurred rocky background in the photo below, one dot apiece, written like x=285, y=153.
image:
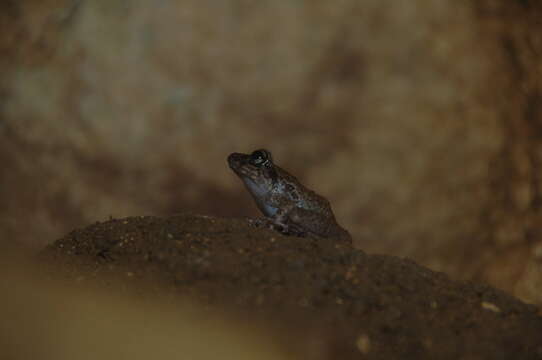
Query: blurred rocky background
x=420, y=121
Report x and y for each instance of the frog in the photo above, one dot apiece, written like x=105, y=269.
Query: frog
x=287, y=205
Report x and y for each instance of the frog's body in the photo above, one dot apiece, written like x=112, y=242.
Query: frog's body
x=290, y=206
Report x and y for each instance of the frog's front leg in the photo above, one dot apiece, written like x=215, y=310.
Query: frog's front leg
x=272, y=207
x=281, y=219
x=278, y=221
x=285, y=221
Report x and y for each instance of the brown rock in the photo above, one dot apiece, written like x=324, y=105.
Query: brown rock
x=386, y=308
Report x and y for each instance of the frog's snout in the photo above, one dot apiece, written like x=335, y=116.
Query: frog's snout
x=233, y=160
x=236, y=161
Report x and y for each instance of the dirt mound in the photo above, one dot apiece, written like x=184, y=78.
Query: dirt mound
x=378, y=307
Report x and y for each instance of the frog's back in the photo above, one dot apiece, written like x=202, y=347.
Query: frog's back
x=302, y=196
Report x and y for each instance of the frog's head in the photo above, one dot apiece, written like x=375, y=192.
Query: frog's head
x=256, y=170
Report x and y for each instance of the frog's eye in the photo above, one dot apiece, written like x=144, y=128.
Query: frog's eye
x=260, y=157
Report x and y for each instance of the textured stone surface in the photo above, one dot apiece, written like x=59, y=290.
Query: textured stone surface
x=317, y=291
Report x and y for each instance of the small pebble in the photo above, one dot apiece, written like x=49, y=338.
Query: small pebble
x=490, y=306
x=363, y=343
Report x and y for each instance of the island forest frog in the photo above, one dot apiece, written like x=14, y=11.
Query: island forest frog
x=289, y=206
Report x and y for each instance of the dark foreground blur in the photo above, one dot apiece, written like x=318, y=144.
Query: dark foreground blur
x=50, y=319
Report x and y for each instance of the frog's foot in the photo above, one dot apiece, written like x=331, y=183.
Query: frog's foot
x=271, y=224
x=261, y=222
x=284, y=227
x=287, y=228
x=293, y=230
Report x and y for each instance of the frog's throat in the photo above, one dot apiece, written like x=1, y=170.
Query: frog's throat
x=257, y=190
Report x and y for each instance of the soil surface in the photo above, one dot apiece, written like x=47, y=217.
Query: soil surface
x=361, y=306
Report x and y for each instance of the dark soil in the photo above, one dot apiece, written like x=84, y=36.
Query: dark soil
x=363, y=306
